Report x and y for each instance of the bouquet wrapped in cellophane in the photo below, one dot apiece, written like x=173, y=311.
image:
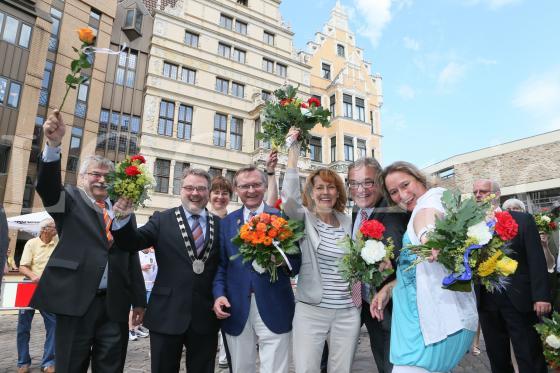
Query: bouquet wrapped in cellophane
x=365, y=256
x=549, y=331
x=131, y=179
x=545, y=222
x=286, y=111
x=473, y=243
x=266, y=240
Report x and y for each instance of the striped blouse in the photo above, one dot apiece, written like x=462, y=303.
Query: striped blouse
x=336, y=293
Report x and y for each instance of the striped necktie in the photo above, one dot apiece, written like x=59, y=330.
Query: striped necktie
x=106, y=221
x=198, y=237
x=363, y=216
x=357, y=287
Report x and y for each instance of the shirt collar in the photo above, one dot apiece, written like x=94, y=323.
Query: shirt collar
x=246, y=211
x=108, y=204
x=203, y=214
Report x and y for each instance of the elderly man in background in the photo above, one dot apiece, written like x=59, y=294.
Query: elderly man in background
x=36, y=254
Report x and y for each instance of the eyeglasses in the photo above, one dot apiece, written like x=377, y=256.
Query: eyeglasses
x=366, y=184
x=96, y=175
x=199, y=188
x=246, y=187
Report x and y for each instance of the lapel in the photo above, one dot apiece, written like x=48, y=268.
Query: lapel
x=237, y=218
x=95, y=213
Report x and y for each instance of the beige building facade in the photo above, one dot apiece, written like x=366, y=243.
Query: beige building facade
x=527, y=169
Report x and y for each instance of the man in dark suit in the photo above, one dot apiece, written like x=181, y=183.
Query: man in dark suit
x=88, y=283
x=187, y=248
x=252, y=308
x=370, y=204
x=4, y=242
x=511, y=314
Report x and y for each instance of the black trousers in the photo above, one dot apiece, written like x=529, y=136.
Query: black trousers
x=90, y=338
x=379, y=336
x=166, y=351
x=502, y=322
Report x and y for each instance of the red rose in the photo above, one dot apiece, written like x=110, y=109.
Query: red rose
x=278, y=204
x=304, y=105
x=506, y=227
x=132, y=171
x=552, y=225
x=139, y=158
x=314, y=101
x=372, y=229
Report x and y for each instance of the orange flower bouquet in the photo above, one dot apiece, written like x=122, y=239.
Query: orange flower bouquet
x=267, y=240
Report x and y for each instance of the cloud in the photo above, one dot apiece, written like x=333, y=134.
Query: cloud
x=539, y=95
x=410, y=43
x=451, y=74
x=492, y=4
x=406, y=92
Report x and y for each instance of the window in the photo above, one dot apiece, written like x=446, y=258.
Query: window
x=348, y=149
x=281, y=70
x=265, y=95
x=27, y=201
x=24, y=36
x=229, y=175
x=242, y=2
x=315, y=149
x=4, y=157
x=102, y=132
x=226, y=21
x=447, y=173
x=184, y=124
x=268, y=38
x=129, y=19
x=239, y=55
x=220, y=129
x=166, y=114
x=372, y=121
x=74, y=151
x=3, y=87
x=13, y=96
x=347, y=105
x=1, y=20
x=362, y=152
x=326, y=70
x=238, y=89
x=188, y=75
x=222, y=85
x=340, y=50
x=10, y=30
x=333, y=149
x=37, y=139
x=224, y=50
x=161, y=175
x=45, y=84
x=372, y=152
x=126, y=69
x=258, y=129
x=178, y=176
x=236, y=133
x=95, y=15
x=56, y=17
x=214, y=171
x=268, y=65
x=133, y=21
x=241, y=27
x=191, y=39
x=360, y=108
x=332, y=105
x=170, y=70
x=81, y=101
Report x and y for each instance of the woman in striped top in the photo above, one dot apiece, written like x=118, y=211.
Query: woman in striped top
x=324, y=306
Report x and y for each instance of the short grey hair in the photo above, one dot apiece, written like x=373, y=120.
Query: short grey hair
x=366, y=162
x=250, y=168
x=512, y=203
x=494, y=185
x=43, y=224
x=197, y=172
x=98, y=160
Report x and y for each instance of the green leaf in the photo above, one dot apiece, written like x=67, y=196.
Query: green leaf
x=75, y=66
x=70, y=79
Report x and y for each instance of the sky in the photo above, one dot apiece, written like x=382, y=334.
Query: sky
x=458, y=75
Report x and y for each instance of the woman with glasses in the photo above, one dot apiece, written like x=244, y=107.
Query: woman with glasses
x=324, y=302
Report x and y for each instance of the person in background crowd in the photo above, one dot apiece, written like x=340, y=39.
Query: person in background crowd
x=88, y=284
x=36, y=253
x=149, y=268
x=252, y=309
x=325, y=308
x=4, y=243
x=511, y=314
x=420, y=342
x=186, y=243
x=514, y=204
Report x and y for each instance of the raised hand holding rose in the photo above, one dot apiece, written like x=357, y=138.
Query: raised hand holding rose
x=54, y=129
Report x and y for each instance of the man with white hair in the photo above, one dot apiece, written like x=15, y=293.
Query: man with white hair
x=88, y=282
x=36, y=253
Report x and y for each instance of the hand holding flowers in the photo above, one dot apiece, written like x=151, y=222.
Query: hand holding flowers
x=549, y=331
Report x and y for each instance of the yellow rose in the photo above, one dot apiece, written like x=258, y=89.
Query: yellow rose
x=86, y=35
x=506, y=266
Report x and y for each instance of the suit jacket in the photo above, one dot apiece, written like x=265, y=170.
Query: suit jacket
x=4, y=241
x=529, y=283
x=395, y=222
x=71, y=278
x=237, y=280
x=180, y=298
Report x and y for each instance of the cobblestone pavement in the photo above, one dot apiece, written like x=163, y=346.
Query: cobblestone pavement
x=138, y=358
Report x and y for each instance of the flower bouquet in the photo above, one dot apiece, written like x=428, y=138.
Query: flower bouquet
x=549, y=331
x=365, y=254
x=286, y=111
x=545, y=222
x=267, y=240
x=131, y=179
x=472, y=242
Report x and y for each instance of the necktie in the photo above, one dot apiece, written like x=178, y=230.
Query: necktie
x=198, y=237
x=363, y=216
x=106, y=221
x=251, y=215
x=357, y=287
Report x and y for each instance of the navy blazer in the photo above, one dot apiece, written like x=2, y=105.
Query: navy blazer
x=237, y=281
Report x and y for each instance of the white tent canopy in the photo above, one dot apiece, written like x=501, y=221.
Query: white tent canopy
x=28, y=223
